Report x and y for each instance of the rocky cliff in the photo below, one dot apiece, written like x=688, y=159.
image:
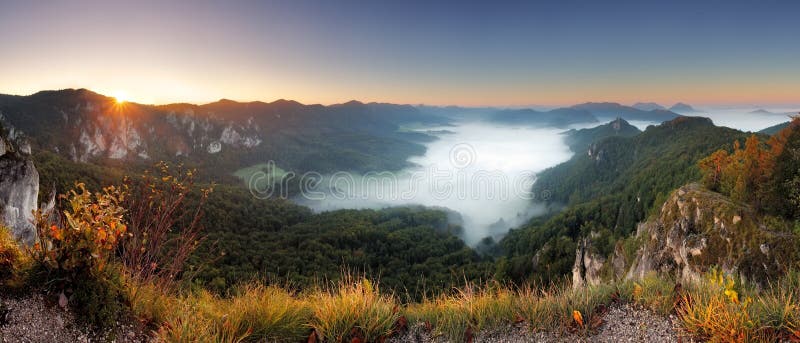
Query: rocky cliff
x=695, y=230
x=19, y=186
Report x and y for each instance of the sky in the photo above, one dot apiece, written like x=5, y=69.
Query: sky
x=491, y=53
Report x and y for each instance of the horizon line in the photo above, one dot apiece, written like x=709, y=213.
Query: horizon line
x=505, y=106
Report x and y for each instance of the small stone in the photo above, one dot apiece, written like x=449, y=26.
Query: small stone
x=62, y=300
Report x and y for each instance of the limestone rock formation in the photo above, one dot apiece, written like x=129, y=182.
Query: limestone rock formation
x=588, y=265
x=19, y=187
x=698, y=229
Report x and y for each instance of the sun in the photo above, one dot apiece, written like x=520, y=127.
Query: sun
x=120, y=97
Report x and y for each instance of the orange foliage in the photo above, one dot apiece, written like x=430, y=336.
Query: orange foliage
x=746, y=174
x=90, y=231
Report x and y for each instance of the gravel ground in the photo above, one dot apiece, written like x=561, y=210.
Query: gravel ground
x=33, y=319
x=621, y=324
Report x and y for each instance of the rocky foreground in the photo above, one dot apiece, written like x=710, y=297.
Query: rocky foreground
x=36, y=319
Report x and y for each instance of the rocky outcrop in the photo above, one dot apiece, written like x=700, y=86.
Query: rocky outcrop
x=588, y=265
x=697, y=229
x=19, y=187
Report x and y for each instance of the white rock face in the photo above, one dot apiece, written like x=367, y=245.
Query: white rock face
x=230, y=136
x=214, y=147
x=117, y=150
x=19, y=189
x=250, y=142
x=586, y=269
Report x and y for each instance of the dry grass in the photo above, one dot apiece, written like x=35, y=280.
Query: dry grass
x=466, y=311
x=720, y=310
x=652, y=292
x=717, y=310
x=12, y=259
x=353, y=309
x=258, y=313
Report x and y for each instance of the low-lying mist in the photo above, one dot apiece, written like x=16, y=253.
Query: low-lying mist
x=749, y=119
x=483, y=172
x=480, y=170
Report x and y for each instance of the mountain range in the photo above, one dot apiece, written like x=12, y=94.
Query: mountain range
x=88, y=127
x=85, y=126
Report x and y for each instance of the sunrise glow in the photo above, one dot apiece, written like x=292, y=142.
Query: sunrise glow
x=120, y=97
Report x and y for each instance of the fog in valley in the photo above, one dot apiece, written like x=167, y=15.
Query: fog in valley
x=749, y=118
x=482, y=171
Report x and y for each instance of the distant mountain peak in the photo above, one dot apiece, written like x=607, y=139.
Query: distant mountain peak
x=611, y=110
x=648, y=106
x=69, y=92
x=683, y=108
x=598, y=103
x=352, y=103
x=286, y=102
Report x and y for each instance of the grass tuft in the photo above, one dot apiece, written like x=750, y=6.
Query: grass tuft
x=353, y=309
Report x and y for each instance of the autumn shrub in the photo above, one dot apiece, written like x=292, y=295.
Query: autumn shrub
x=86, y=236
x=74, y=254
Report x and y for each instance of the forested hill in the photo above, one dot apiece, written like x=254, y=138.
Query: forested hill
x=608, y=190
x=580, y=140
x=412, y=250
x=774, y=129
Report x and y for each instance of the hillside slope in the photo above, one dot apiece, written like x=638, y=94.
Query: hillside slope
x=608, y=190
